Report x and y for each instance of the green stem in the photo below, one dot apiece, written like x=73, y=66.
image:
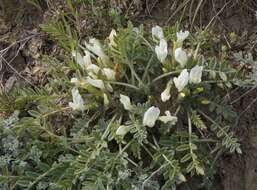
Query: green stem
x=125, y=84
x=215, y=123
x=147, y=68
x=165, y=75
x=55, y=111
x=153, y=174
x=190, y=140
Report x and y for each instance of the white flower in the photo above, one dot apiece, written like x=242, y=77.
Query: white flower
x=86, y=62
x=93, y=68
x=181, y=177
x=165, y=95
x=78, y=103
x=74, y=80
x=125, y=100
x=150, y=116
x=195, y=75
x=157, y=33
x=136, y=30
x=168, y=118
x=109, y=73
x=182, y=80
x=162, y=50
x=78, y=58
x=181, y=57
x=87, y=59
x=111, y=37
x=77, y=82
x=181, y=36
x=92, y=75
x=106, y=100
x=95, y=46
x=123, y=130
x=95, y=83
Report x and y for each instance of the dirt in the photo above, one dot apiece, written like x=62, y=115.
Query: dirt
x=239, y=171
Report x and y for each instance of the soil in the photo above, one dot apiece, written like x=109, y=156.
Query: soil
x=239, y=172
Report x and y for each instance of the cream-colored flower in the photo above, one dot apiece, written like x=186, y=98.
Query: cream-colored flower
x=87, y=58
x=195, y=75
x=78, y=59
x=74, y=81
x=111, y=38
x=162, y=50
x=150, y=116
x=106, y=100
x=95, y=83
x=181, y=36
x=125, y=100
x=157, y=33
x=123, y=130
x=181, y=57
x=93, y=68
x=78, y=82
x=165, y=95
x=94, y=46
x=78, y=103
x=182, y=80
x=109, y=73
x=136, y=30
x=168, y=118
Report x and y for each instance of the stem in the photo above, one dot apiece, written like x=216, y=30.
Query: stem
x=190, y=139
x=55, y=111
x=125, y=84
x=214, y=122
x=190, y=133
x=147, y=68
x=165, y=75
x=152, y=174
x=147, y=43
x=178, y=71
x=170, y=163
x=133, y=72
x=177, y=110
x=107, y=128
x=146, y=149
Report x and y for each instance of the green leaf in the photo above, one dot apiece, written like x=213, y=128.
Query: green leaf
x=197, y=121
x=190, y=167
x=186, y=158
x=23, y=183
x=34, y=113
x=183, y=147
x=43, y=166
x=199, y=170
x=223, y=76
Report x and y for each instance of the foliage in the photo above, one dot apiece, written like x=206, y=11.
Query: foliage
x=48, y=143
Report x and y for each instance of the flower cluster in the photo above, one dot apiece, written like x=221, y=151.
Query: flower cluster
x=98, y=74
x=141, y=111
x=180, y=57
x=135, y=108
x=150, y=117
